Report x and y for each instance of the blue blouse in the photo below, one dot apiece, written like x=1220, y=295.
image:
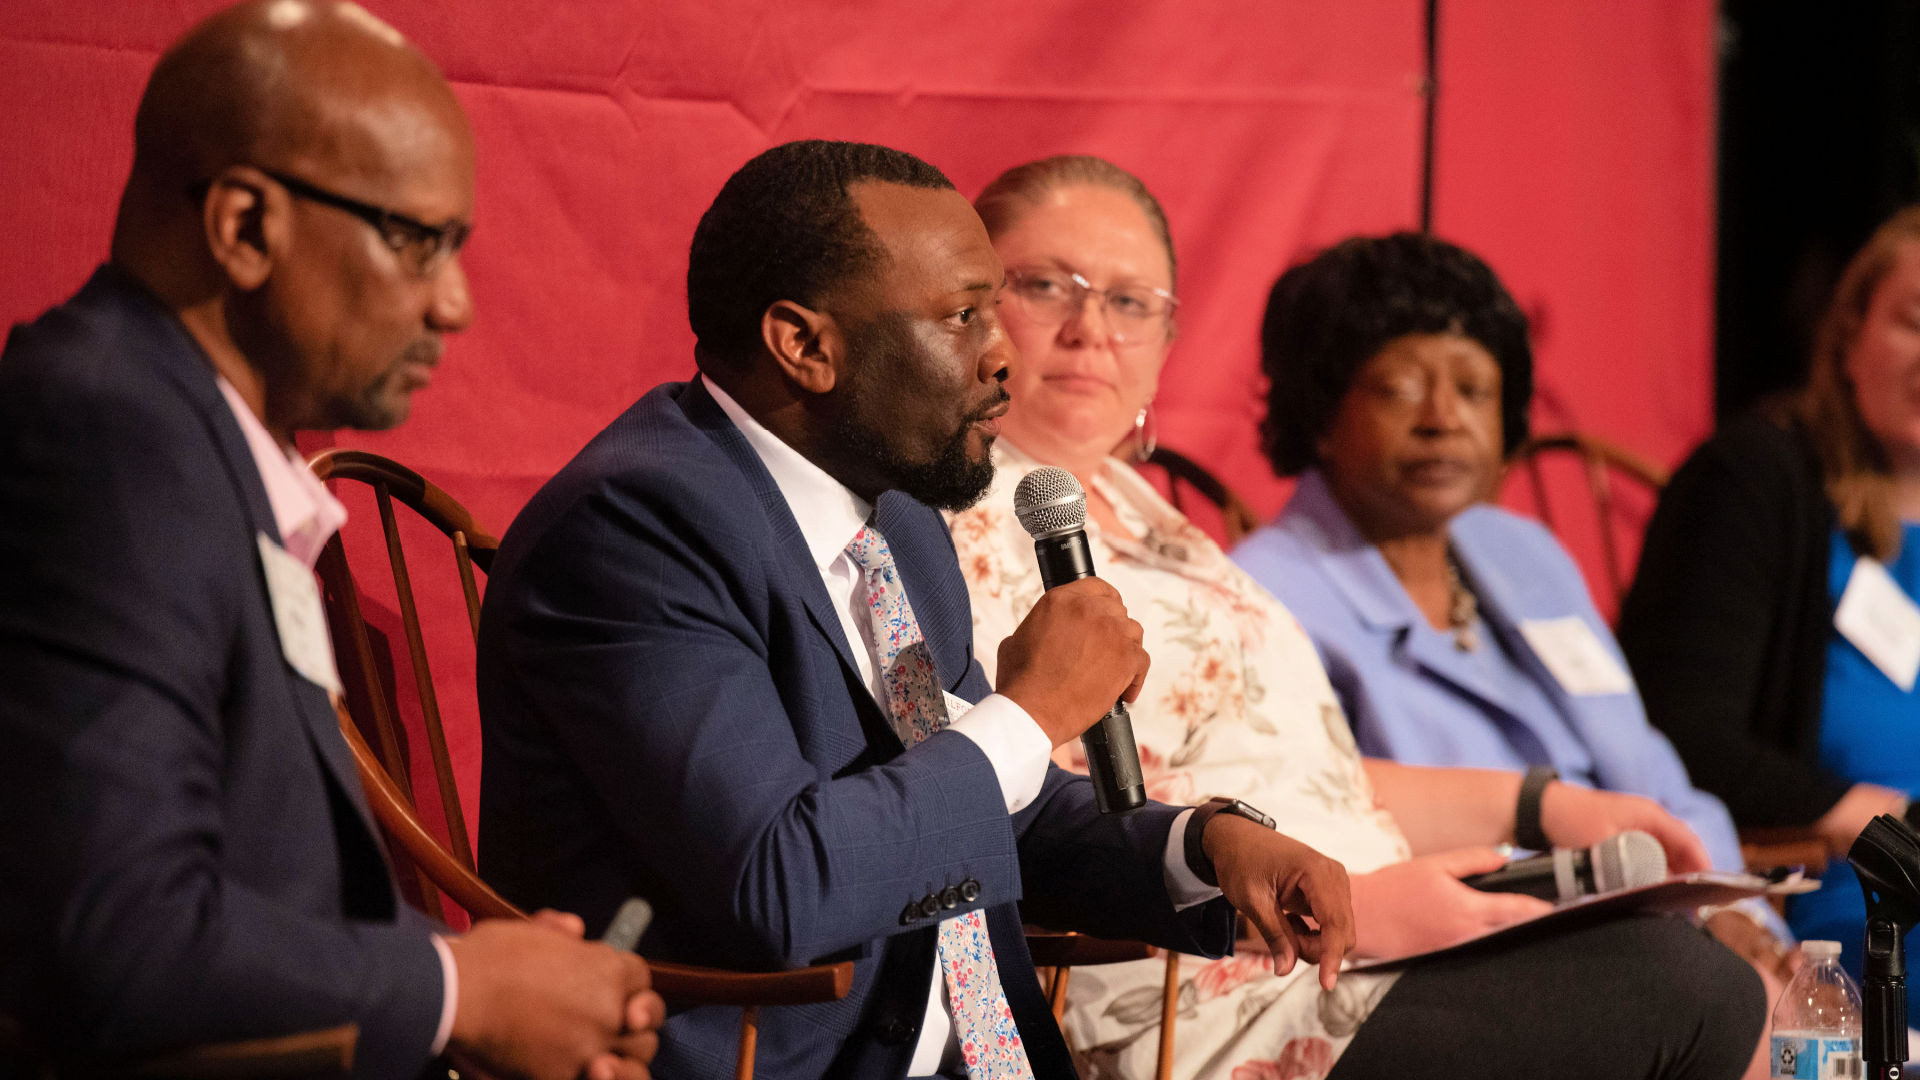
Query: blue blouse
x=1869, y=733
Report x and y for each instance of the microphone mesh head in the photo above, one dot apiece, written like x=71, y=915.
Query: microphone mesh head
x=1628, y=861
x=1049, y=500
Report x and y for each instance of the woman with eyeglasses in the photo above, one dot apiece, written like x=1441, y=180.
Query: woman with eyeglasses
x=1238, y=706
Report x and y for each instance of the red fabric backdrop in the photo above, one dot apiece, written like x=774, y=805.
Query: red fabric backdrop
x=1574, y=152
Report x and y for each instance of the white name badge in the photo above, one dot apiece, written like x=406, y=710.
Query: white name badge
x=1575, y=657
x=297, y=615
x=1881, y=621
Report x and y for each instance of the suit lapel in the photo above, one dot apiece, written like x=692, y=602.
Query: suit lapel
x=172, y=352
x=1506, y=601
x=1358, y=570
x=179, y=358
x=796, y=563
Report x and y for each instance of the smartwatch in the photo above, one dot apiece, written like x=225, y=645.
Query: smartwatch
x=1197, y=859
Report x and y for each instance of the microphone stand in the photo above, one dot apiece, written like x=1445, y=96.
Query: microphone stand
x=1886, y=856
x=1884, y=1025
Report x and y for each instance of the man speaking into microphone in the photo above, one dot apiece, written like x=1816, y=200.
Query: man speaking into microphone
x=726, y=663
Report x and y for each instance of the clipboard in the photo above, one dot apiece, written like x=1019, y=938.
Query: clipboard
x=1678, y=893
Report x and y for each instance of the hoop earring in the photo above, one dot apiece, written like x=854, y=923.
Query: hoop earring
x=1146, y=433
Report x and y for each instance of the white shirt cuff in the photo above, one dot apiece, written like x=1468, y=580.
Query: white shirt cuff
x=449, y=995
x=1015, y=746
x=1183, y=887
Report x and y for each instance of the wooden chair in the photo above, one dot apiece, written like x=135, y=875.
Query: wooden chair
x=1763, y=849
x=447, y=868
x=1237, y=519
x=1600, y=461
x=312, y=1055
x=1057, y=954
x=307, y=1056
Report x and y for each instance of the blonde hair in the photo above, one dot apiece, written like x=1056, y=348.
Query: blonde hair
x=1001, y=202
x=1859, y=476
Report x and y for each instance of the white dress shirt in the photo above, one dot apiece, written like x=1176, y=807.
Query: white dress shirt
x=829, y=516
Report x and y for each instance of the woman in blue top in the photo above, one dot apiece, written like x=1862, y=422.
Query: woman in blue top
x=1455, y=633
x=1772, y=622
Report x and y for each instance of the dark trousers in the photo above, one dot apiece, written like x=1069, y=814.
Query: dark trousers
x=1647, y=996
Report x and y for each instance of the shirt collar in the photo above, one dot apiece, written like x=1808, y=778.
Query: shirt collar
x=304, y=511
x=829, y=514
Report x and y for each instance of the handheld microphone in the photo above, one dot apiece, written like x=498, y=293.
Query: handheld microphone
x=629, y=924
x=1053, y=509
x=1626, y=861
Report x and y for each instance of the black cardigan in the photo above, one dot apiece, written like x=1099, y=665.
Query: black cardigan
x=1726, y=626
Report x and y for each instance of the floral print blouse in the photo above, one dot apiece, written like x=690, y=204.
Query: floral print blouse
x=1236, y=704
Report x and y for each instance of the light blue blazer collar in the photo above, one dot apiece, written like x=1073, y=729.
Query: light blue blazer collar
x=1520, y=573
x=1357, y=569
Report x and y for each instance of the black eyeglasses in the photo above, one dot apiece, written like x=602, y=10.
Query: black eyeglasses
x=422, y=248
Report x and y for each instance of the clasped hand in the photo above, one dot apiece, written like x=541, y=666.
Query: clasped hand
x=538, y=1002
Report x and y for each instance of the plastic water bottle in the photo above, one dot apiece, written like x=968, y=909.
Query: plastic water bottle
x=1816, y=1026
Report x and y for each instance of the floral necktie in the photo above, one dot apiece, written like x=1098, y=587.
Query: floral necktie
x=989, y=1041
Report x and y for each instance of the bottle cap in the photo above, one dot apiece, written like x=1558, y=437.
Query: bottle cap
x=1820, y=950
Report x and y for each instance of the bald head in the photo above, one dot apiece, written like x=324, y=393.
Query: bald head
x=283, y=83
x=302, y=180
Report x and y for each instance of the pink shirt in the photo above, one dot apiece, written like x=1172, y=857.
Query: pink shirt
x=304, y=511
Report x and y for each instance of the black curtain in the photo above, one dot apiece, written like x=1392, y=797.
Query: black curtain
x=1819, y=141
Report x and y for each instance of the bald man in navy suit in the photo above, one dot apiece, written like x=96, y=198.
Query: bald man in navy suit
x=187, y=855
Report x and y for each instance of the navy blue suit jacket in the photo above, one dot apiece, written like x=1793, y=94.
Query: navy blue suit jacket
x=670, y=709
x=185, y=852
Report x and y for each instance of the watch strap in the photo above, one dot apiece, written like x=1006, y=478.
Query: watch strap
x=1196, y=854
x=1526, y=811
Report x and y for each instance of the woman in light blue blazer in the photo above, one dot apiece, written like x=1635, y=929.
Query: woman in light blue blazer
x=1455, y=633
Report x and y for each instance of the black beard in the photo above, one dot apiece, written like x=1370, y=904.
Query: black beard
x=950, y=480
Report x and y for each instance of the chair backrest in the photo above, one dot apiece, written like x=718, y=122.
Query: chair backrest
x=1237, y=519
x=369, y=696
x=1600, y=461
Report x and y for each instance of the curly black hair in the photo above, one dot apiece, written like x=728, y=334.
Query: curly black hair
x=1330, y=315
x=784, y=227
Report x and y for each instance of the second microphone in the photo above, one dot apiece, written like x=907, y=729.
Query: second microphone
x=1626, y=860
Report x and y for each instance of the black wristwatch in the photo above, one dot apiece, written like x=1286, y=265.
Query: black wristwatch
x=1526, y=812
x=1197, y=860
